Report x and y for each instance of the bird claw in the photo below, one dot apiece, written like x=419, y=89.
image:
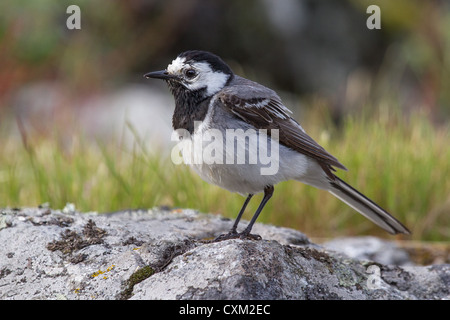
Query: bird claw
x=234, y=235
x=227, y=236
x=249, y=236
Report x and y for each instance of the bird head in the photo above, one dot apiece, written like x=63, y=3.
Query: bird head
x=199, y=72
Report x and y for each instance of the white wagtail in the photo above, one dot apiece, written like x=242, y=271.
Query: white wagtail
x=206, y=89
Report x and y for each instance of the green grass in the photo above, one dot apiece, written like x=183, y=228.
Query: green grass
x=400, y=162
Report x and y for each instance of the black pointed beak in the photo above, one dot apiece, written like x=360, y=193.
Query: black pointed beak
x=163, y=74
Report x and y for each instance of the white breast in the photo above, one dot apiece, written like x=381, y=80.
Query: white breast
x=218, y=163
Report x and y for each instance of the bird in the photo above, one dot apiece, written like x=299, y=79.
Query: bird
x=209, y=95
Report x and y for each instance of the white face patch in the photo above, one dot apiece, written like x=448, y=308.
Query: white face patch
x=213, y=81
x=207, y=78
x=176, y=66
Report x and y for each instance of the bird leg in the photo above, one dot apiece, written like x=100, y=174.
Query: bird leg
x=268, y=191
x=233, y=233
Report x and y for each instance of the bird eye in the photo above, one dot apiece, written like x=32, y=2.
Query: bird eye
x=190, y=73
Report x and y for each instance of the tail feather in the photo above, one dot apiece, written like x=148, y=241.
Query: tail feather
x=366, y=207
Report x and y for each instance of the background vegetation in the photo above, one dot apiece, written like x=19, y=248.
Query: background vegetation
x=376, y=99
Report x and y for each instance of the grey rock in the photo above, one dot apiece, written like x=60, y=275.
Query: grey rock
x=370, y=248
x=166, y=254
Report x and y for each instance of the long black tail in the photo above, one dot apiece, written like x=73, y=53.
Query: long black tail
x=366, y=207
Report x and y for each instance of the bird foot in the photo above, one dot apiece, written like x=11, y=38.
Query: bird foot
x=234, y=235
x=249, y=236
x=227, y=236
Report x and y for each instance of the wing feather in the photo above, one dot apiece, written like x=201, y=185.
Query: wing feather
x=264, y=110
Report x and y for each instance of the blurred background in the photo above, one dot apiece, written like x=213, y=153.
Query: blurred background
x=80, y=124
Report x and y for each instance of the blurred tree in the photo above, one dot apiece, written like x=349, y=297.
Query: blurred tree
x=302, y=46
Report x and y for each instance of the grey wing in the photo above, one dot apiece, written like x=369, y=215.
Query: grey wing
x=262, y=108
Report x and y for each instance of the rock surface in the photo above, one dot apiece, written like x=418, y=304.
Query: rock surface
x=164, y=254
